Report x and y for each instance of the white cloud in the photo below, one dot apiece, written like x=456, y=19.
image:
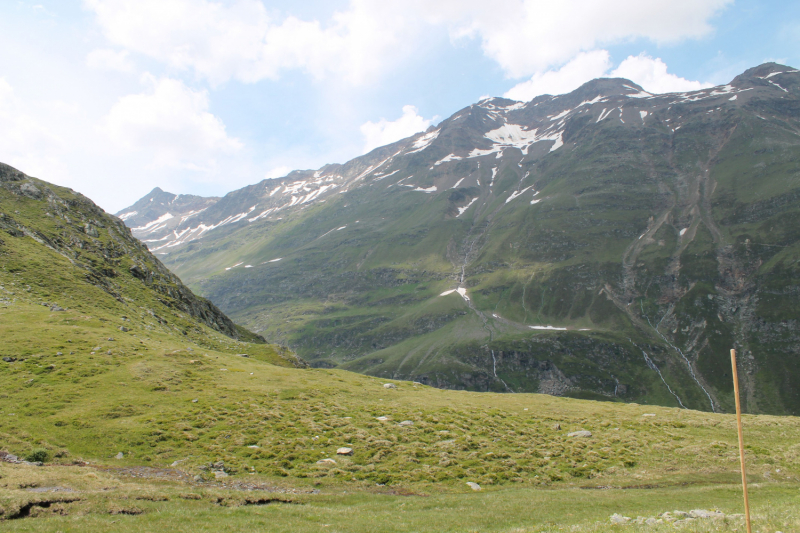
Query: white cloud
x=25, y=142
x=652, y=75
x=529, y=36
x=106, y=59
x=172, y=123
x=644, y=70
x=277, y=172
x=239, y=40
x=584, y=67
x=384, y=131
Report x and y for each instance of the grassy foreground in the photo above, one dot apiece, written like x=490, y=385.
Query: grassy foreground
x=106, y=501
x=213, y=441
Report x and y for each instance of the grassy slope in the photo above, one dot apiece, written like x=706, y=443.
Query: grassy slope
x=74, y=394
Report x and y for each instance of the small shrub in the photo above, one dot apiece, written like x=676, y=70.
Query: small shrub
x=38, y=455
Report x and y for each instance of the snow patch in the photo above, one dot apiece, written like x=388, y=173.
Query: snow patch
x=515, y=194
x=129, y=214
x=234, y=266
x=461, y=210
x=150, y=226
x=424, y=141
x=551, y=328
x=428, y=190
x=380, y=177
x=447, y=158
x=511, y=135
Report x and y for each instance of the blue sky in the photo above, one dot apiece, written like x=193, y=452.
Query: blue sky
x=115, y=97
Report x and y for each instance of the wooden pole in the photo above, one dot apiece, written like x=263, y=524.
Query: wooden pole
x=741, y=441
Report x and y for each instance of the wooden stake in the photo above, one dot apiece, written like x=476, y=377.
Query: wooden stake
x=741, y=441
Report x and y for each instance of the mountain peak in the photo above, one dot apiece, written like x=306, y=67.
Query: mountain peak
x=607, y=87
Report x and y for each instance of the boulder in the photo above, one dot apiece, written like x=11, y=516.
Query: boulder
x=120, y=455
x=326, y=462
x=406, y=423
x=389, y=386
x=702, y=513
x=619, y=519
x=344, y=451
x=474, y=486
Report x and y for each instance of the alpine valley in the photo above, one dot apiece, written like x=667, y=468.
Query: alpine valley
x=606, y=244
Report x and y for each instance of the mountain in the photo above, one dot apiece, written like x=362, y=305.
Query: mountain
x=607, y=243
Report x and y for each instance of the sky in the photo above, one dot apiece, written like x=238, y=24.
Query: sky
x=115, y=97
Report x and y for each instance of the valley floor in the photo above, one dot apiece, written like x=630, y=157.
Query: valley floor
x=93, y=499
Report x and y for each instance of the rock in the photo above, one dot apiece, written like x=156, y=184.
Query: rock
x=57, y=308
x=557, y=427
x=9, y=359
x=344, y=451
x=123, y=329
x=108, y=352
x=59, y=353
x=194, y=401
x=120, y=455
x=582, y=434
x=91, y=231
x=652, y=521
x=254, y=447
x=473, y=485
x=111, y=339
x=702, y=513
x=382, y=418
x=680, y=514
x=389, y=386
x=649, y=414
x=326, y=462
x=198, y=478
x=30, y=190
x=416, y=383
x=619, y=519
x=406, y=423
x=218, y=474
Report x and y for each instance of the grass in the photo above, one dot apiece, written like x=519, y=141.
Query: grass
x=106, y=500
x=214, y=432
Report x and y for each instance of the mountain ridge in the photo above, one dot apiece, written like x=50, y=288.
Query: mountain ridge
x=580, y=244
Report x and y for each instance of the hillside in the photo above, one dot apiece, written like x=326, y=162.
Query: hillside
x=151, y=412
x=608, y=243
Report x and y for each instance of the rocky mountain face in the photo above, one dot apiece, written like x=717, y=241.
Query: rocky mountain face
x=608, y=243
x=101, y=247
